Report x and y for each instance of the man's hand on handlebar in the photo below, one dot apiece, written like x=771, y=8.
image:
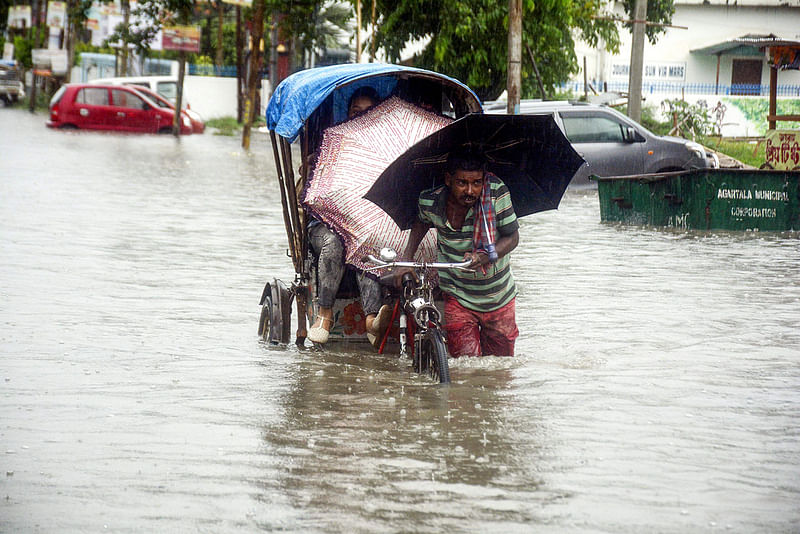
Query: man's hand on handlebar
x=401, y=274
x=476, y=259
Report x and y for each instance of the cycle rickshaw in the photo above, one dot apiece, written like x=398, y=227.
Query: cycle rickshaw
x=300, y=110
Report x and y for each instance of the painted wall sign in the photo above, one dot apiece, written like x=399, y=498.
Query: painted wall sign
x=782, y=149
x=656, y=70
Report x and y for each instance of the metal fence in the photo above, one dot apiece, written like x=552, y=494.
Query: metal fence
x=226, y=71
x=677, y=88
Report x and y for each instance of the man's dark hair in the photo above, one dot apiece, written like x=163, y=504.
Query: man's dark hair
x=364, y=90
x=465, y=158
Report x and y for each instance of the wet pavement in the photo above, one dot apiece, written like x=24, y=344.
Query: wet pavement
x=656, y=386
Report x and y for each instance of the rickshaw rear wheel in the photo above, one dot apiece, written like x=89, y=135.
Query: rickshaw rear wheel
x=274, y=324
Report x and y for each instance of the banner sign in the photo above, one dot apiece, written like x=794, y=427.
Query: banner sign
x=56, y=14
x=243, y=3
x=19, y=16
x=54, y=61
x=783, y=149
x=186, y=38
x=93, y=17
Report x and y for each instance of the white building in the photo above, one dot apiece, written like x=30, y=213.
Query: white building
x=689, y=56
x=714, y=51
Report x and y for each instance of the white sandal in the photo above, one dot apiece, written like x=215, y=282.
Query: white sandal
x=319, y=334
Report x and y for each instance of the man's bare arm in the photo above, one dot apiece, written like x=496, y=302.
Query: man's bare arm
x=418, y=232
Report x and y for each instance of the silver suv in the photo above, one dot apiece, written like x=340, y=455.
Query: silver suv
x=613, y=144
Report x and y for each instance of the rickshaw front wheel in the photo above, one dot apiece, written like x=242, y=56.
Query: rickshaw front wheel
x=432, y=356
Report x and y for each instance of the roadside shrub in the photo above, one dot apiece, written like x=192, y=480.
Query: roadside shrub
x=688, y=119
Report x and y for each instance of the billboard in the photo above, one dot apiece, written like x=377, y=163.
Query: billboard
x=56, y=14
x=19, y=16
x=186, y=38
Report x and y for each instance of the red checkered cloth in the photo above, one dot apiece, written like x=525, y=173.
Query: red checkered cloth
x=485, y=221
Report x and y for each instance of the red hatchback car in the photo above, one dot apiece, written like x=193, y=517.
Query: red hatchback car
x=110, y=107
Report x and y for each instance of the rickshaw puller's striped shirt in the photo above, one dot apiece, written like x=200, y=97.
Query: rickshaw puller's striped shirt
x=475, y=291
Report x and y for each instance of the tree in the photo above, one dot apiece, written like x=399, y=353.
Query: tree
x=468, y=38
x=658, y=11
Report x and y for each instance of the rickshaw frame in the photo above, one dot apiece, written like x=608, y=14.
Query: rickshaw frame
x=302, y=106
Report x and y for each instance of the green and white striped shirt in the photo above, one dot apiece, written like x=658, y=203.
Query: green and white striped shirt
x=475, y=291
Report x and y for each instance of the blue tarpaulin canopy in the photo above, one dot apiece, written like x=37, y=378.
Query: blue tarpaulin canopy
x=299, y=95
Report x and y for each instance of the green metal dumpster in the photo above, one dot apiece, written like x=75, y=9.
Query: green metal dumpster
x=704, y=199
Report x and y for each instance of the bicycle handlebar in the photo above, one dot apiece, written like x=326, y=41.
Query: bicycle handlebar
x=380, y=264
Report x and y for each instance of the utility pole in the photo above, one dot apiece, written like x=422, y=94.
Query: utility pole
x=220, y=23
x=514, y=83
x=253, y=71
x=177, y=117
x=637, y=61
x=358, y=31
x=126, y=21
x=374, y=34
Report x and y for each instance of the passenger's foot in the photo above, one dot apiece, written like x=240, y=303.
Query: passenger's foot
x=320, y=330
x=379, y=325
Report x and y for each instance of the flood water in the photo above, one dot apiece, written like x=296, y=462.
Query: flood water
x=656, y=386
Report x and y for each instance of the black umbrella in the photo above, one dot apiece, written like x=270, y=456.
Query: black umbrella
x=529, y=153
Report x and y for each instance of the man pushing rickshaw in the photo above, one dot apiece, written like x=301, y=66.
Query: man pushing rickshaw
x=423, y=157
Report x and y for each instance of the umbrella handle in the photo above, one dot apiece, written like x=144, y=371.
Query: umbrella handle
x=491, y=252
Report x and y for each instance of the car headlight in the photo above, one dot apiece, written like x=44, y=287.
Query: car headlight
x=187, y=122
x=696, y=149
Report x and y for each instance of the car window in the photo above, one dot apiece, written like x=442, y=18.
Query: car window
x=168, y=90
x=93, y=96
x=592, y=129
x=57, y=97
x=124, y=99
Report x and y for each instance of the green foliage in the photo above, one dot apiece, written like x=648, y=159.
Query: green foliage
x=224, y=126
x=228, y=43
x=200, y=59
x=469, y=38
x=658, y=11
x=689, y=119
x=22, y=51
x=650, y=120
x=748, y=152
x=153, y=15
x=229, y=125
x=757, y=109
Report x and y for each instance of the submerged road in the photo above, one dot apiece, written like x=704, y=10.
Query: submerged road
x=656, y=386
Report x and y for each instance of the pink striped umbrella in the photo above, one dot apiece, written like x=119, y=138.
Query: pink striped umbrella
x=352, y=156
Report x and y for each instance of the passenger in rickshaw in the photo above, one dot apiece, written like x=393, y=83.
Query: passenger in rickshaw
x=328, y=253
